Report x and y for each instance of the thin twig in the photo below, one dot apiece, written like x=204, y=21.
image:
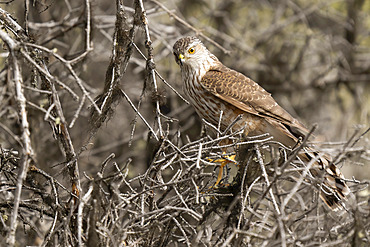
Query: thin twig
x=27, y=150
x=260, y=161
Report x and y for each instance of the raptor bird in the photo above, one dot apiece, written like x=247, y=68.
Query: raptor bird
x=212, y=88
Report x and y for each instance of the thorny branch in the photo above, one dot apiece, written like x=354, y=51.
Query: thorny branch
x=121, y=54
x=27, y=150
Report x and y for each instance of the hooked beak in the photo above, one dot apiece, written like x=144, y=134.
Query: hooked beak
x=181, y=59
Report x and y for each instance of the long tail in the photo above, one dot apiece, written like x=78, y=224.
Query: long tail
x=333, y=187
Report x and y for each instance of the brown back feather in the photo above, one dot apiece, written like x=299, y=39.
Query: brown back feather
x=242, y=92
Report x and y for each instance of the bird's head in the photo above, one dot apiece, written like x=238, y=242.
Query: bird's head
x=190, y=51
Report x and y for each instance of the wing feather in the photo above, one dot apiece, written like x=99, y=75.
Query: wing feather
x=242, y=92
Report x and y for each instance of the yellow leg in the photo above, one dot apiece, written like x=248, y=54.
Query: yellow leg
x=224, y=162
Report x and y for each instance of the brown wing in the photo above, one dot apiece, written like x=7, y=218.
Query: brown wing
x=247, y=95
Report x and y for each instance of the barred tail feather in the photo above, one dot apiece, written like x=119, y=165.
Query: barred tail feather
x=333, y=187
x=334, y=190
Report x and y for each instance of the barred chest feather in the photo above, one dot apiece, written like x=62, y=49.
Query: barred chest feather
x=209, y=107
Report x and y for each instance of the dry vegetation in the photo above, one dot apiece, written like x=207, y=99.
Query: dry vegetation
x=98, y=147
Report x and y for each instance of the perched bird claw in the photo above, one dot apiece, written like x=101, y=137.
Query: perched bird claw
x=226, y=159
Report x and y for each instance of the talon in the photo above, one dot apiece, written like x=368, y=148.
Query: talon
x=223, y=161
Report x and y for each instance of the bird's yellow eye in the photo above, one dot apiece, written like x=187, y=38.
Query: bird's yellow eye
x=191, y=50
